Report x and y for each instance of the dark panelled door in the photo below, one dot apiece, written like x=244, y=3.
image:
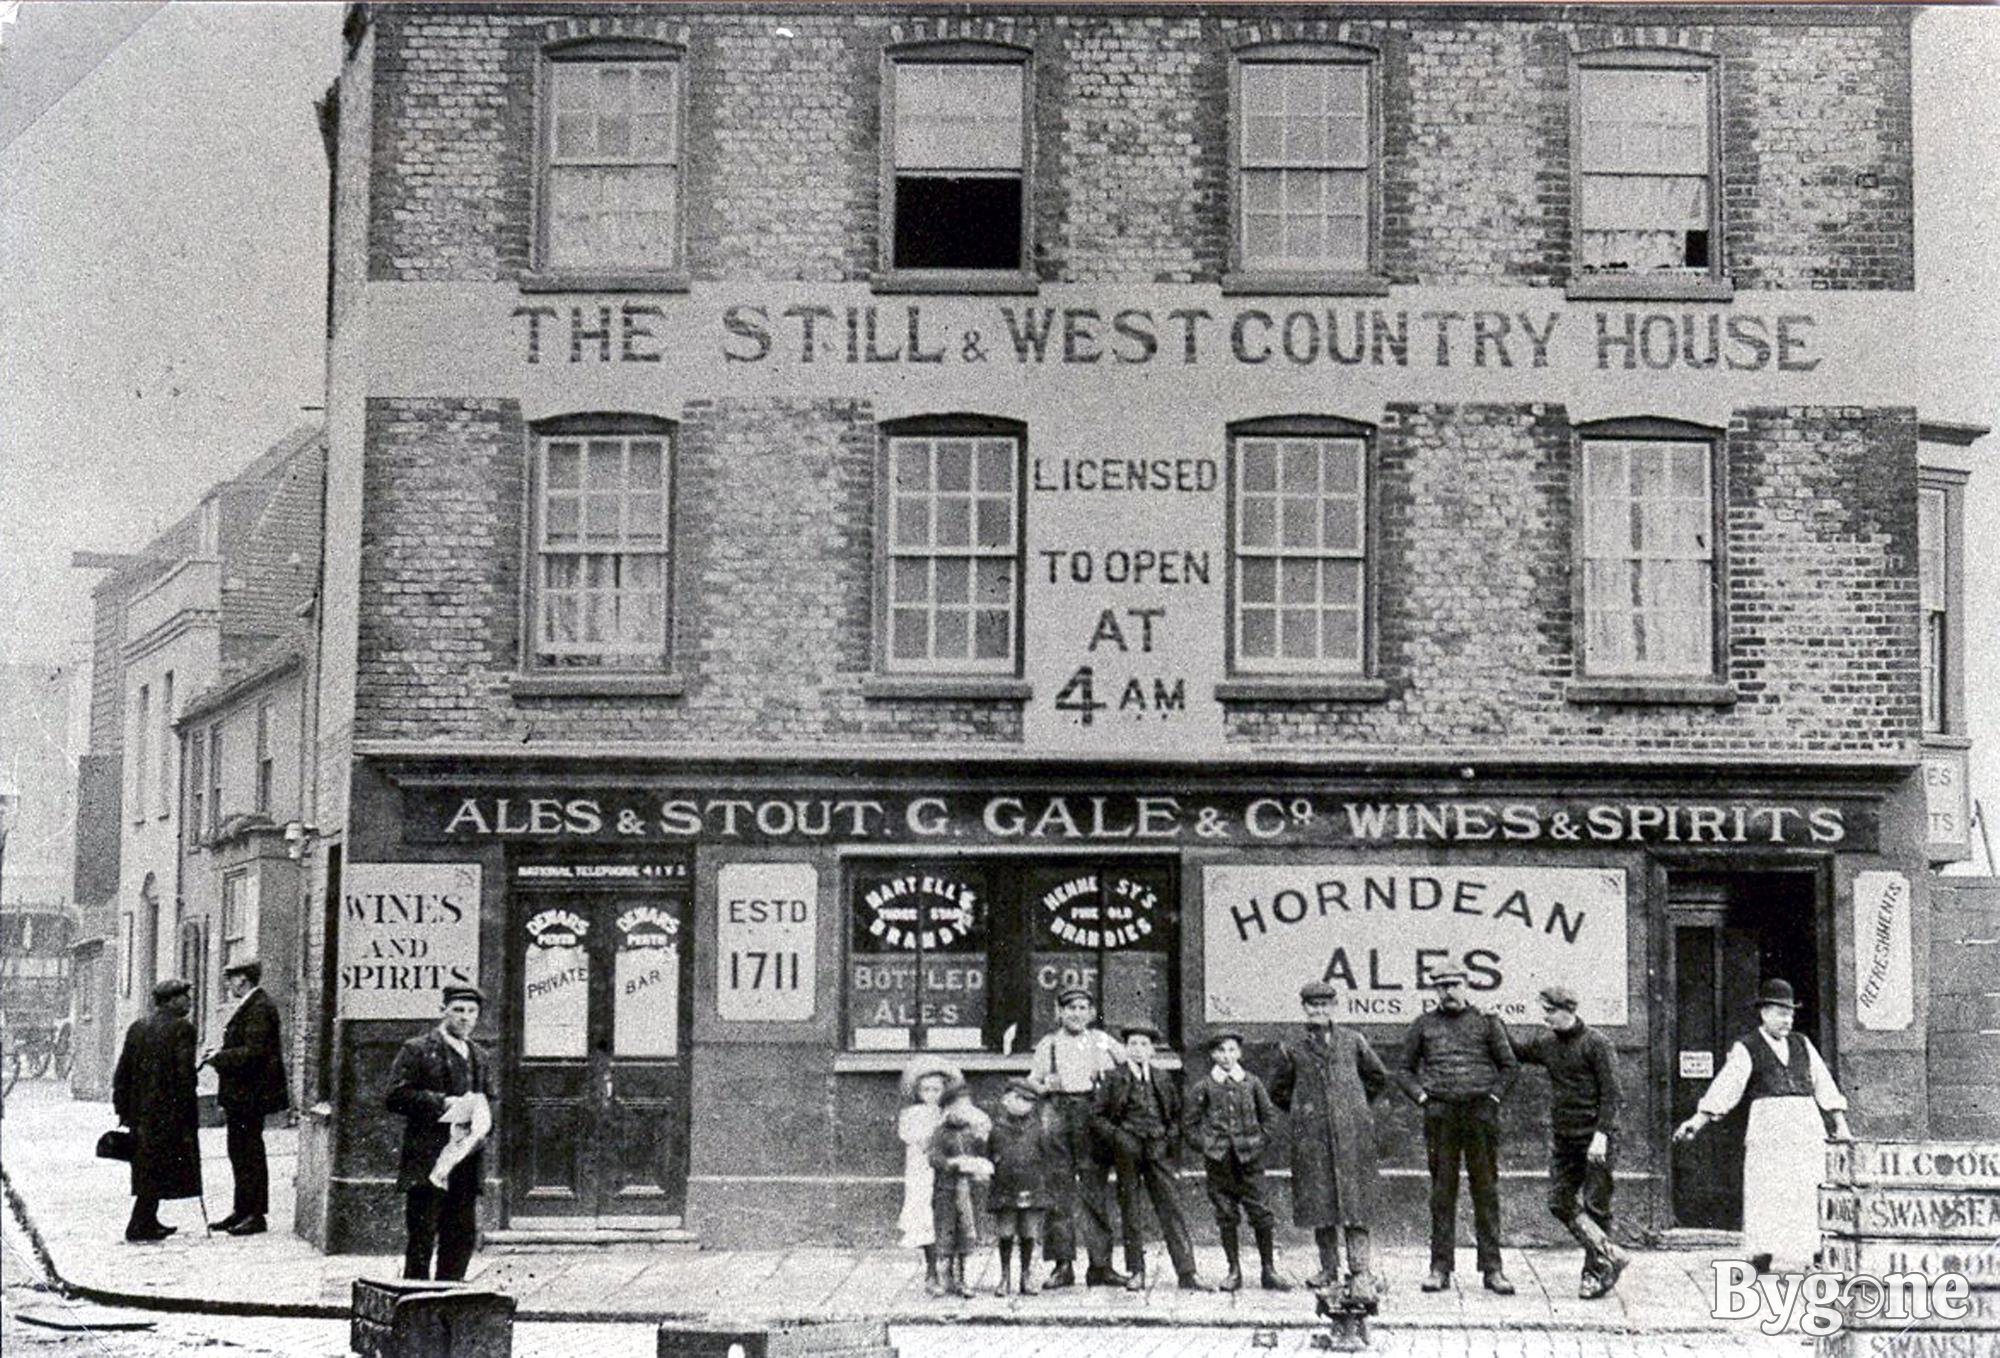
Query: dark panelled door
x=599, y=1095
x=1715, y=980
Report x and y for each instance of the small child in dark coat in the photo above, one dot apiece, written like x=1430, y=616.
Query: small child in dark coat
x=1022, y=1152
x=958, y=1158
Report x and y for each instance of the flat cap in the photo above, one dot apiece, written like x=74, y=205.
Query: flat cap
x=1448, y=974
x=1068, y=993
x=169, y=988
x=1559, y=997
x=1318, y=990
x=1025, y=1088
x=454, y=993
x=1130, y=1029
x=1222, y=1035
x=249, y=967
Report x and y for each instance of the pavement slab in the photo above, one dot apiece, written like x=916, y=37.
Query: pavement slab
x=77, y=1206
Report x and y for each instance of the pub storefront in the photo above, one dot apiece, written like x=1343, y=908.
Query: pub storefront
x=705, y=980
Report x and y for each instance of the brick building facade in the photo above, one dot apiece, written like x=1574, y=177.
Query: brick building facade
x=854, y=518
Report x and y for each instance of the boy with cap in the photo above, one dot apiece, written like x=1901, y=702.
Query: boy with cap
x=1327, y=1083
x=250, y=1074
x=1583, y=1129
x=1458, y=1064
x=431, y=1085
x=1229, y=1116
x=1068, y=1066
x=1021, y=1151
x=1138, y=1115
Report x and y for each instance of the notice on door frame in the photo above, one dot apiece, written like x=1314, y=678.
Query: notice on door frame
x=1884, y=975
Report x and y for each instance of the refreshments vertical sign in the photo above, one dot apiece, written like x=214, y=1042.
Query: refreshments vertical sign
x=407, y=930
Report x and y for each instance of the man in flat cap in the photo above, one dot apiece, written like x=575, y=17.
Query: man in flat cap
x=250, y=1071
x=442, y=1085
x=1583, y=1132
x=1327, y=1083
x=1458, y=1064
x=1138, y=1115
x=1068, y=1066
x=152, y=1091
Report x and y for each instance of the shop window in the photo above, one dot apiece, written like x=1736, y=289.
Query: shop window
x=970, y=954
x=196, y=773
x=240, y=892
x=952, y=558
x=1299, y=539
x=1647, y=167
x=603, y=543
x=1941, y=600
x=611, y=185
x=1305, y=163
x=1650, y=527
x=265, y=764
x=957, y=151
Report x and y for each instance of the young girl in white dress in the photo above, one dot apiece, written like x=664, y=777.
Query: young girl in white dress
x=923, y=1085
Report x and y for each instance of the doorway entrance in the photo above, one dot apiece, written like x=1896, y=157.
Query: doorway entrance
x=599, y=977
x=1728, y=933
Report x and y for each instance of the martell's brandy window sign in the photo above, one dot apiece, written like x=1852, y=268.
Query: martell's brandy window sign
x=917, y=969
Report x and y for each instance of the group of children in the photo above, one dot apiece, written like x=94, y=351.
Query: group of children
x=955, y=1155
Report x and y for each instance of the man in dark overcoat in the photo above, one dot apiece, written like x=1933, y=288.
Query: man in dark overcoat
x=428, y=1083
x=250, y=1070
x=1326, y=1083
x=152, y=1090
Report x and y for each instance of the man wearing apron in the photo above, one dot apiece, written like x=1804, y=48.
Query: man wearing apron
x=1784, y=1149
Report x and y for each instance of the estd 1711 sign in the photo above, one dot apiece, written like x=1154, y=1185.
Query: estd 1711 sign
x=767, y=932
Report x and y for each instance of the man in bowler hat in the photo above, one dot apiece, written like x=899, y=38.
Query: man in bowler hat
x=250, y=1070
x=1457, y=1066
x=1327, y=1083
x=429, y=1085
x=1137, y=1114
x=152, y=1091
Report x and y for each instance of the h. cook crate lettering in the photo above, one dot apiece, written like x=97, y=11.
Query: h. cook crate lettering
x=775, y=1339
x=395, y=1319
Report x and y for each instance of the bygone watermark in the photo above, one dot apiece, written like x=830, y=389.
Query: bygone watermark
x=1820, y=1302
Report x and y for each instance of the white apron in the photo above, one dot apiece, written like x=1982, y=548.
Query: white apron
x=914, y=1126
x=1784, y=1152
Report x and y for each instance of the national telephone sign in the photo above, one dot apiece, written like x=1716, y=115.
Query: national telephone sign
x=767, y=923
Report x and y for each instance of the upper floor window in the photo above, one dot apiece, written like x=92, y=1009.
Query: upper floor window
x=265, y=764
x=1299, y=533
x=142, y=727
x=196, y=771
x=1305, y=162
x=601, y=574
x=953, y=556
x=240, y=892
x=166, y=784
x=957, y=159
x=610, y=192
x=1941, y=599
x=1647, y=166
x=214, y=779
x=1649, y=556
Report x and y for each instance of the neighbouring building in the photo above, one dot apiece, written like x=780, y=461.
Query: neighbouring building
x=38, y=779
x=844, y=521
x=202, y=601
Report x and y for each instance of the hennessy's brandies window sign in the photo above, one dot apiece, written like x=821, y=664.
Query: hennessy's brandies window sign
x=970, y=955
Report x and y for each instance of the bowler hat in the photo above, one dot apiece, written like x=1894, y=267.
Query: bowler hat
x=249, y=967
x=1559, y=997
x=1776, y=992
x=1222, y=1035
x=1131, y=1028
x=1025, y=1088
x=1068, y=993
x=1317, y=990
x=169, y=988
x=455, y=993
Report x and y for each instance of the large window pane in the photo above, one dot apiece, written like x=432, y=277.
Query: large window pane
x=1649, y=560
x=1304, y=156
x=1645, y=169
x=611, y=184
x=1301, y=551
x=954, y=543
x=604, y=551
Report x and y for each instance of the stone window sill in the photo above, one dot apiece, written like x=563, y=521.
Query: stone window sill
x=1946, y=740
x=597, y=686
x=991, y=282
x=1281, y=689
x=948, y=687
x=1664, y=693
x=1646, y=287
x=1255, y=283
x=608, y=280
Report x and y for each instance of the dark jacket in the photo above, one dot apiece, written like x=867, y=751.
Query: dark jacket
x=1458, y=1056
x=1326, y=1083
x=1229, y=1115
x=1021, y=1150
x=250, y=1063
x=153, y=1093
x=426, y=1073
x=1138, y=1120
x=1583, y=1079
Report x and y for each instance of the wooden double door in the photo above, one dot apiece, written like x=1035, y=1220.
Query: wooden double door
x=601, y=1003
